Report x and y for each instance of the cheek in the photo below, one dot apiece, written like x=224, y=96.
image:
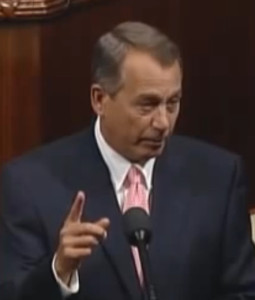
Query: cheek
x=123, y=125
x=115, y=116
x=140, y=126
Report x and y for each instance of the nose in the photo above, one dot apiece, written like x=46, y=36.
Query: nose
x=161, y=119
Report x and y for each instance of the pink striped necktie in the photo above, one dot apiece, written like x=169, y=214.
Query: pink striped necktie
x=136, y=197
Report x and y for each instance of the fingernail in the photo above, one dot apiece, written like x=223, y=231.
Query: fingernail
x=80, y=194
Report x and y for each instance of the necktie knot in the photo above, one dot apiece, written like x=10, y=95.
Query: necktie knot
x=135, y=176
x=136, y=191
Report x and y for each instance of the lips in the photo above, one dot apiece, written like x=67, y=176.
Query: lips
x=158, y=139
x=154, y=141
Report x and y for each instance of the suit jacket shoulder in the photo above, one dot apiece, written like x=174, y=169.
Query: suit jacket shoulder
x=198, y=152
x=195, y=146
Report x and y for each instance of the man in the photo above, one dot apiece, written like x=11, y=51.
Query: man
x=53, y=248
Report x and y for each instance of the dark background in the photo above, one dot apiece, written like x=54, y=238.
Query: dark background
x=45, y=71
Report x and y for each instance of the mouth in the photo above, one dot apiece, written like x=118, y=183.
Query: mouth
x=154, y=142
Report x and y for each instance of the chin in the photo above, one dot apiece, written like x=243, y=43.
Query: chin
x=155, y=153
x=151, y=154
x=156, y=150
x=146, y=153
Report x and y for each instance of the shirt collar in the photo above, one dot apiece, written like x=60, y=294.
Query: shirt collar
x=118, y=165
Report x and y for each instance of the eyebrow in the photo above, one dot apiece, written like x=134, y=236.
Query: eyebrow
x=154, y=96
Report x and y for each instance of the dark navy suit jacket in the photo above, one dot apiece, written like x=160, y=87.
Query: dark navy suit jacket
x=201, y=247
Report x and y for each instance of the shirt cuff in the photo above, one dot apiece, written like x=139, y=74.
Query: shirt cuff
x=65, y=290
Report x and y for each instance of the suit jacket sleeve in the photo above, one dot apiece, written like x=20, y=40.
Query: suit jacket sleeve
x=238, y=253
x=25, y=260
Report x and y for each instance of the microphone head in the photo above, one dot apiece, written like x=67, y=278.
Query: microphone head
x=137, y=225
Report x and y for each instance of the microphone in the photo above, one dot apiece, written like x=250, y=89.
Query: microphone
x=137, y=228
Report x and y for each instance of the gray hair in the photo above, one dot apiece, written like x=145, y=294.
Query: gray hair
x=111, y=49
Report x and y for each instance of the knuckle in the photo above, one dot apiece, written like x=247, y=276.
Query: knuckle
x=89, y=239
x=73, y=255
x=87, y=251
x=86, y=227
x=64, y=242
x=66, y=252
x=63, y=232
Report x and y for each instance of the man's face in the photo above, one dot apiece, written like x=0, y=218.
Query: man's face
x=138, y=119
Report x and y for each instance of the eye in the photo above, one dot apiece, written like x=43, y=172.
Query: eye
x=147, y=107
x=172, y=104
x=175, y=99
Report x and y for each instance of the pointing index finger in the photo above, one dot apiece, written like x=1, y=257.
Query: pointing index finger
x=76, y=210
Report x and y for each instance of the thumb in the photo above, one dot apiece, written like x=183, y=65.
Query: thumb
x=104, y=223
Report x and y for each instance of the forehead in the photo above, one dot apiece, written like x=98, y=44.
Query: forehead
x=141, y=71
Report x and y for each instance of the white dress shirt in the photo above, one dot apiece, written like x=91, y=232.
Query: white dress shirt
x=118, y=167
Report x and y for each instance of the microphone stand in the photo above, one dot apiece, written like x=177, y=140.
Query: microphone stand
x=149, y=289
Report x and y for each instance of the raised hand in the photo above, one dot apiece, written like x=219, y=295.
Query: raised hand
x=77, y=239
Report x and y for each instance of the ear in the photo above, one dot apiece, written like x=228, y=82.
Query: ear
x=98, y=98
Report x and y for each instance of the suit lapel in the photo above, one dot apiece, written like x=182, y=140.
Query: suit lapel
x=168, y=214
x=92, y=176
x=167, y=193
